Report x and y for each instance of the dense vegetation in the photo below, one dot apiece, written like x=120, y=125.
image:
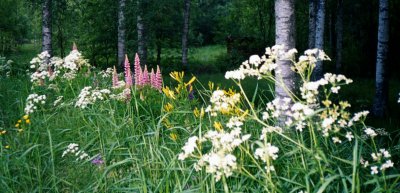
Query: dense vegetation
x=231, y=119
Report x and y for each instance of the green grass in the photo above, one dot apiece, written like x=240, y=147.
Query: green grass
x=134, y=139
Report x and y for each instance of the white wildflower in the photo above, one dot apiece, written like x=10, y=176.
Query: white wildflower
x=370, y=132
x=349, y=136
x=374, y=170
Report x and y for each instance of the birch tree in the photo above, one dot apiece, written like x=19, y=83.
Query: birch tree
x=121, y=32
x=381, y=81
x=46, y=26
x=284, y=34
x=186, y=14
x=319, y=35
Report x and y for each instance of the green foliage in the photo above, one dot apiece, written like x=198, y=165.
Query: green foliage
x=139, y=140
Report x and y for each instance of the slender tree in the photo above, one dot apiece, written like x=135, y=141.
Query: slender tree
x=311, y=24
x=141, y=32
x=339, y=36
x=381, y=81
x=186, y=14
x=319, y=35
x=121, y=32
x=285, y=34
x=46, y=26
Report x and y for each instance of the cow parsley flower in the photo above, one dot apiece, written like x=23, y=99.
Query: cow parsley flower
x=374, y=170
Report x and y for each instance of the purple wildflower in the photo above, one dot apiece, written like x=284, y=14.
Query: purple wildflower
x=145, y=76
x=98, y=160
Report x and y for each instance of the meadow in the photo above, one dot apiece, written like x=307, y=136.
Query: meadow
x=196, y=132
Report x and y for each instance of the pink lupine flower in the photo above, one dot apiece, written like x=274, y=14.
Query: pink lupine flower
x=74, y=46
x=115, y=78
x=137, y=69
x=158, y=79
x=140, y=77
x=145, y=76
x=152, y=78
x=128, y=73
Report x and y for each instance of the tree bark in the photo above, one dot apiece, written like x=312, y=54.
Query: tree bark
x=319, y=36
x=311, y=24
x=121, y=32
x=141, y=31
x=285, y=34
x=46, y=26
x=186, y=15
x=339, y=36
x=381, y=81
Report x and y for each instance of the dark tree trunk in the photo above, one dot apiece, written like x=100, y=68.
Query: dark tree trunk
x=46, y=26
x=158, y=44
x=381, y=85
x=141, y=31
x=121, y=32
x=186, y=15
x=339, y=36
x=311, y=24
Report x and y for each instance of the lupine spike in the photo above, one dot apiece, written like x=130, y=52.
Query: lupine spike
x=152, y=78
x=115, y=78
x=145, y=76
x=158, y=79
x=140, y=77
x=74, y=47
x=137, y=69
x=128, y=73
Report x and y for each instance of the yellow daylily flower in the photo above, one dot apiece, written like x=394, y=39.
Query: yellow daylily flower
x=173, y=136
x=168, y=107
x=218, y=126
x=190, y=81
x=169, y=93
x=178, y=76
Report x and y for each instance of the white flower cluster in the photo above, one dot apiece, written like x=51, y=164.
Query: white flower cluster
x=266, y=152
x=219, y=160
x=57, y=101
x=357, y=117
x=41, y=65
x=276, y=108
x=258, y=66
x=309, y=90
x=73, y=148
x=89, y=96
x=122, y=96
x=32, y=101
x=382, y=160
x=72, y=63
x=222, y=102
x=399, y=98
x=106, y=73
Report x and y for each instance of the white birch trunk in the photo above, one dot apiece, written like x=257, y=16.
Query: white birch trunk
x=319, y=36
x=381, y=83
x=121, y=32
x=285, y=34
x=46, y=26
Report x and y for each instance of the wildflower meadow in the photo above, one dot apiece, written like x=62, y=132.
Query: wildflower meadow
x=83, y=129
